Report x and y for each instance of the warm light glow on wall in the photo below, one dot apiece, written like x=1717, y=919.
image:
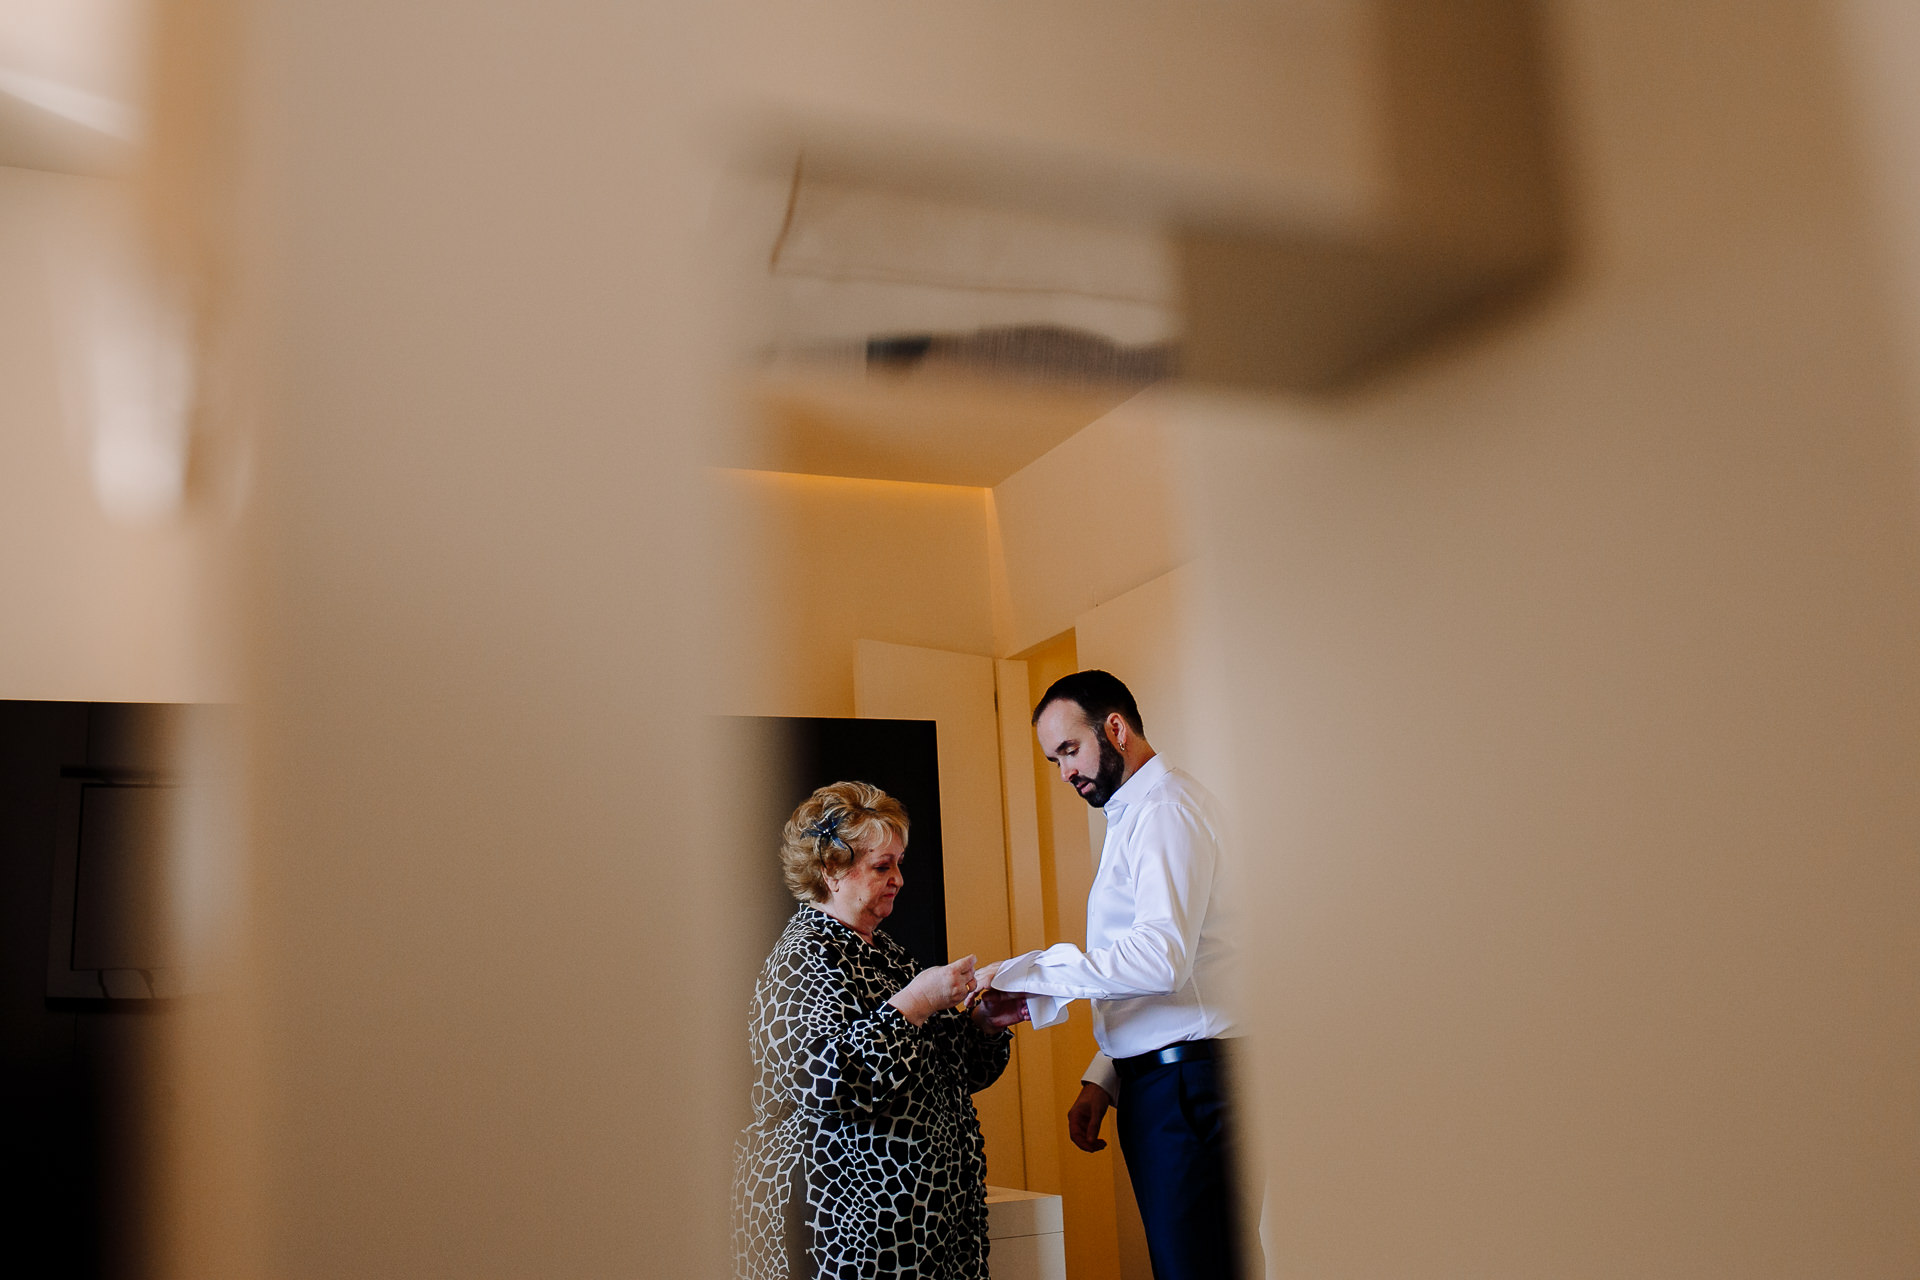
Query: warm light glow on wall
x=826, y=484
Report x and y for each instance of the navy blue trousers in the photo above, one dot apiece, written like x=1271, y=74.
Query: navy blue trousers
x=1176, y=1131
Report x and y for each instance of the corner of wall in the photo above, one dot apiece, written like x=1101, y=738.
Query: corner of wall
x=999, y=594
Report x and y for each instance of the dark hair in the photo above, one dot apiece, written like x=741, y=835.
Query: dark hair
x=1097, y=694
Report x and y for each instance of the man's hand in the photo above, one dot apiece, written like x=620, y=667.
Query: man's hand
x=1084, y=1117
x=998, y=1010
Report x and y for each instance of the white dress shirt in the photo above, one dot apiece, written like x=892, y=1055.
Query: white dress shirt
x=1158, y=951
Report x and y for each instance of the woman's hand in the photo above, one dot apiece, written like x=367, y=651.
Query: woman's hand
x=935, y=989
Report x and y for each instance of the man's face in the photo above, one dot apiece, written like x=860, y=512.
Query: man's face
x=1085, y=756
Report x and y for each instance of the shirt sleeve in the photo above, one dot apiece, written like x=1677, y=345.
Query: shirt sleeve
x=1101, y=1072
x=1172, y=871
x=838, y=1055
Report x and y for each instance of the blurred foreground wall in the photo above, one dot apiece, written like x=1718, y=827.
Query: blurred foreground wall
x=474, y=1032
x=1580, y=711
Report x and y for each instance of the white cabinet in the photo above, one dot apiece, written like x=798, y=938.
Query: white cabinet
x=1026, y=1229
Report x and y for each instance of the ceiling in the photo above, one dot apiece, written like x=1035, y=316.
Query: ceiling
x=839, y=264
x=921, y=427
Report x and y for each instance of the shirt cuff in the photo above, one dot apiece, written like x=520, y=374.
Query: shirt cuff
x=1043, y=1011
x=1101, y=1072
x=1008, y=972
x=1046, y=1011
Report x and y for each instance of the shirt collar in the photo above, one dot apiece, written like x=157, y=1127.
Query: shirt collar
x=1137, y=786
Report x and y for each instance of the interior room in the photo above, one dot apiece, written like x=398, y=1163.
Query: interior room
x=942, y=398
x=1480, y=432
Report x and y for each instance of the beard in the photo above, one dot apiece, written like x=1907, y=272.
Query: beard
x=1106, y=779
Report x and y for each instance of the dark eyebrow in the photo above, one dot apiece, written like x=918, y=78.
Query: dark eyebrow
x=1062, y=748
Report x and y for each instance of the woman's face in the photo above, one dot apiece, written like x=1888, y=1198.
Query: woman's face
x=864, y=896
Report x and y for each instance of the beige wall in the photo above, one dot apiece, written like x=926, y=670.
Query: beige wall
x=826, y=562
x=95, y=610
x=1579, y=702
x=1096, y=516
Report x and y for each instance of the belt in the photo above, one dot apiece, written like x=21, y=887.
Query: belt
x=1186, y=1051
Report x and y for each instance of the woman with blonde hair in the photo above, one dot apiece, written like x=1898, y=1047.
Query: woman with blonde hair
x=863, y=1158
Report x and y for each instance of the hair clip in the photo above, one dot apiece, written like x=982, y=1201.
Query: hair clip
x=828, y=828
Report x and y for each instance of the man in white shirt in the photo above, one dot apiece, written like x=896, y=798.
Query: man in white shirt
x=1156, y=969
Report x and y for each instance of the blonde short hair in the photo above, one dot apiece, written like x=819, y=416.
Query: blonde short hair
x=831, y=829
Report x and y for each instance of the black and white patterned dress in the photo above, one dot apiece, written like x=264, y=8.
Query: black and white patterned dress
x=864, y=1143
